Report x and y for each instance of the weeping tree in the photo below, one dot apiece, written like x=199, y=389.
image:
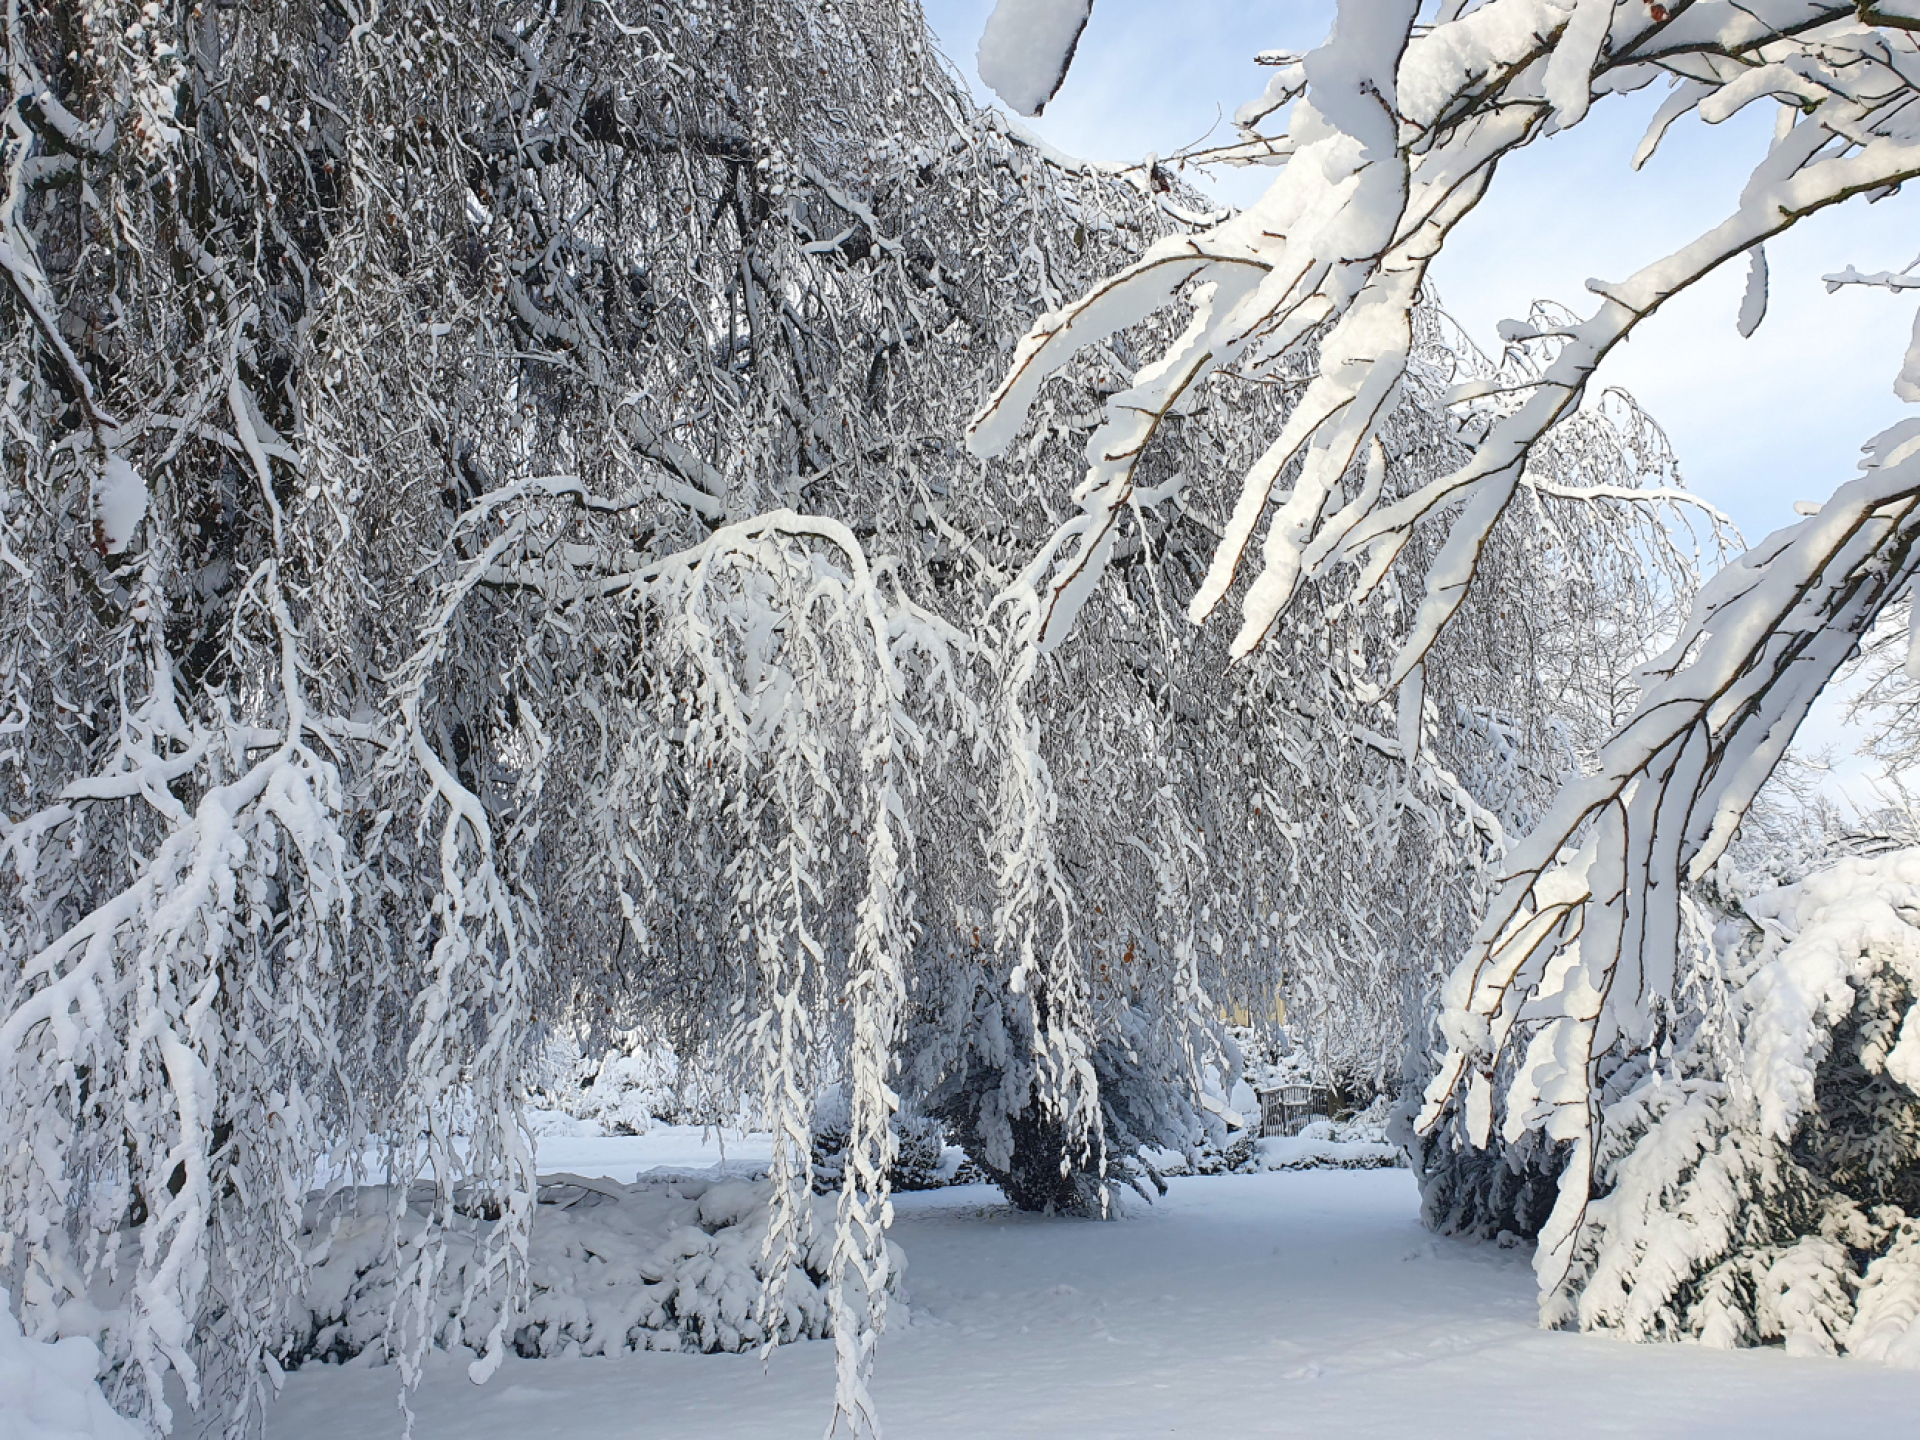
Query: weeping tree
x=1584, y=975
x=486, y=544
x=472, y=556
x=1298, y=845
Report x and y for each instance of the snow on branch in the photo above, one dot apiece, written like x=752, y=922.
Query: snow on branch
x=1026, y=48
x=1578, y=947
x=1395, y=138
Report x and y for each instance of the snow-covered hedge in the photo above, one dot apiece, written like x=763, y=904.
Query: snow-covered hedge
x=1357, y=1144
x=52, y=1391
x=657, y=1265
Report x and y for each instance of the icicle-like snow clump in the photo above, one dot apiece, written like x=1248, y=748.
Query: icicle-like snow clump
x=1026, y=48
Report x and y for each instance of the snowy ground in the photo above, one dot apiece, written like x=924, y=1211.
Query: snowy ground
x=668, y=1148
x=1297, y=1303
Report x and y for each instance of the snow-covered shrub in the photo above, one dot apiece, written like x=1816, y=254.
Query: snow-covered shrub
x=656, y=1265
x=1368, y=1123
x=995, y=1110
x=51, y=1391
x=922, y=1159
x=1238, y=1154
x=1478, y=1186
x=1481, y=1191
x=1888, y=1305
x=1507, y=1181
x=1759, y=1179
x=1329, y=1145
x=544, y=1122
x=1270, y=1057
x=620, y=1090
x=1356, y=1141
x=1030, y=1154
x=628, y=1090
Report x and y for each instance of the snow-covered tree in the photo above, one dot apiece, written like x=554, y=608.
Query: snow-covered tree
x=1286, y=845
x=487, y=548
x=470, y=471
x=1395, y=131
x=1760, y=1166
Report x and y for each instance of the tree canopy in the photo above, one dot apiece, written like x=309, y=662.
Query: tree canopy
x=597, y=516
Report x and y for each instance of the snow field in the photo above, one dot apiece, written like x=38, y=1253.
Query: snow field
x=1280, y=1304
x=662, y=1149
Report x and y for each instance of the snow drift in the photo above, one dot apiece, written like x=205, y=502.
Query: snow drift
x=50, y=1391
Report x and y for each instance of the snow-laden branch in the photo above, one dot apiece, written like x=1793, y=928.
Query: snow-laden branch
x=1394, y=134
x=1577, y=949
x=1392, y=151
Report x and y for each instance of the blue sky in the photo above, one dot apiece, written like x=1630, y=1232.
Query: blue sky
x=1758, y=423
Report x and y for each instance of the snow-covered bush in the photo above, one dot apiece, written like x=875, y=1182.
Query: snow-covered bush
x=627, y=1091
x=1294, y=1056
x=656, y=1265
x=1238, y=1154
x=621, y=1091
x=1759, y=1178
x=922, y=1159
x=1358, y=1143
x=994, y=1109
x=1482, y=1191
